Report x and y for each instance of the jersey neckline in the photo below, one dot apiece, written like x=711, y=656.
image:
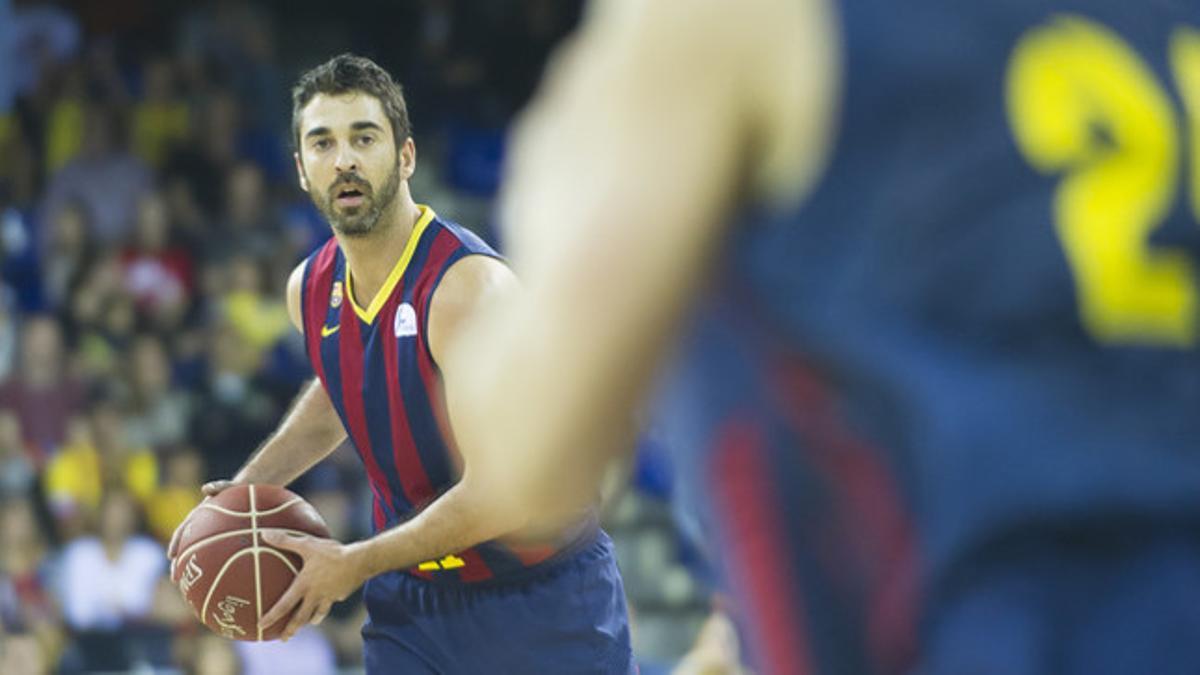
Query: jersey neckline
x=368, y=315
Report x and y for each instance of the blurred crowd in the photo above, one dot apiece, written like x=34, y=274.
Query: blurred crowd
x=148, y=220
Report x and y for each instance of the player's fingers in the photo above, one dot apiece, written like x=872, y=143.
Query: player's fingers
x=302, y=616
x=282, y=607
x=297, y=543
x=215, y=487
x=321, y=613
x=173, y=547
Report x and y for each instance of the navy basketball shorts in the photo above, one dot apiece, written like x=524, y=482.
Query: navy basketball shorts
x=570, y=618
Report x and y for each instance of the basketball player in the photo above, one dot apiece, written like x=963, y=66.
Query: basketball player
x=377, y=306
x=929, y=269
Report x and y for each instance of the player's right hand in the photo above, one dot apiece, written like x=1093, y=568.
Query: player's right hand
x=210, y=489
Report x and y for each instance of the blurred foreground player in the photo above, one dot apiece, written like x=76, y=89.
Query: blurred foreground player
x=941, y=390
x=377, y=306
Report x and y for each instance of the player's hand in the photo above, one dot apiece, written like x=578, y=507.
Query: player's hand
x=329, y=574
x=211, y=489
x=216, y=487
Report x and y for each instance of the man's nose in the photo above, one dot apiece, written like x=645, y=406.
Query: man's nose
x=347, y=161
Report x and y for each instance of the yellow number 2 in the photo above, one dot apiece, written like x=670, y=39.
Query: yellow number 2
x=1083, y=103
x=448, y=563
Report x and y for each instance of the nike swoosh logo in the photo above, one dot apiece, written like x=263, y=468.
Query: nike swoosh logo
x=326, y=331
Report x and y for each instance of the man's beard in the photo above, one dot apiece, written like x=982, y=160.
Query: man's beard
x=358, y=221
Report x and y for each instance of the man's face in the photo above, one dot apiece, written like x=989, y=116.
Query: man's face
x=348, y=161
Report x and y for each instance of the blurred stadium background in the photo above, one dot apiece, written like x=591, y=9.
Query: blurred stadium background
x=148, y=217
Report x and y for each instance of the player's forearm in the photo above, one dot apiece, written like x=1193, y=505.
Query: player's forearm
x=464, y=516
x=308, y=433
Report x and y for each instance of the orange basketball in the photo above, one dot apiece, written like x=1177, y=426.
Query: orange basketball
x=227, y=574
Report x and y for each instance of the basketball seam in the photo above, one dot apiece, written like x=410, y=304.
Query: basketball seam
x=217, y=582
x=226, y=535
x=284, y=558
x=257, y=568
x=268, y=512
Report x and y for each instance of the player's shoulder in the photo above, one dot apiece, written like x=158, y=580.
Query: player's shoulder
x=466, y=270
x=470, y=277
x=468, y=241
x=323, y=256
x=469, y=285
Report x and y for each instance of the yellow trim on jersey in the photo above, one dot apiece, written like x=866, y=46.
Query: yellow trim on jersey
x=368, y=315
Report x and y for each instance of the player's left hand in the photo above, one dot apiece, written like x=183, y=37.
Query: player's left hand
x=329, y=575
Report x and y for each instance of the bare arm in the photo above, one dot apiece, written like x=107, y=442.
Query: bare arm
x=650, y=128
x=308, y=433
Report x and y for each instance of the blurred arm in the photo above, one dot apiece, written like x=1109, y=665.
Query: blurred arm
x=310, y=430
x=650, y=128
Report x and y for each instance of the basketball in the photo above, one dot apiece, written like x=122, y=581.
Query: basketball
x=226, y=573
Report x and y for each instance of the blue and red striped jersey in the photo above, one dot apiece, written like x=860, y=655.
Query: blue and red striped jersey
x=376, y=365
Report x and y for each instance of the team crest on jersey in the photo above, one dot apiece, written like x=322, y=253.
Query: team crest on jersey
x=336, y=295
x=405, y=324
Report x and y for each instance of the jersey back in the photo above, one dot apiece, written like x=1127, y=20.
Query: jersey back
x=984, y=318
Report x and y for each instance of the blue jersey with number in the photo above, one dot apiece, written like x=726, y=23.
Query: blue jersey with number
x=983, y=320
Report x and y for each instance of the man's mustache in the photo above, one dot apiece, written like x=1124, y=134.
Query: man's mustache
x=350, y=181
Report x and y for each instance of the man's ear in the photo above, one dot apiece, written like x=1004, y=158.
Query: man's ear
x=408, y=158
x=300, y=172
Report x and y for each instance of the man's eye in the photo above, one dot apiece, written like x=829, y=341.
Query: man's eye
x=365, y=140
x=321, y=144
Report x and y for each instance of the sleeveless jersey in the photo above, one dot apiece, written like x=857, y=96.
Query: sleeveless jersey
x=982, y=321
x=376, y=366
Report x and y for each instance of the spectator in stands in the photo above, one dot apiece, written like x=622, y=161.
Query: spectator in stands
x=26, y=604
x=211, y=150
x=188, y=218
x=106, y=177
x=249, y=224
x=8, y=59
x=19, y=171
x=42, y=394
x=157, y=414
x=258, y=315
x=161, y=118
x=10, y=324
x=64, y=125
x=97, y=458
x=40, y=37
x=237, y=407
x=179, y=494
x=17, y=460
x=108, y=582
x=67, y=253
x=157, y=274
x=102, y=317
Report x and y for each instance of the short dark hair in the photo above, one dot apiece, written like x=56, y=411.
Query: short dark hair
x=350, y=73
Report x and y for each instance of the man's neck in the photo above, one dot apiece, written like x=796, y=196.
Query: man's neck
x=370, y=259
